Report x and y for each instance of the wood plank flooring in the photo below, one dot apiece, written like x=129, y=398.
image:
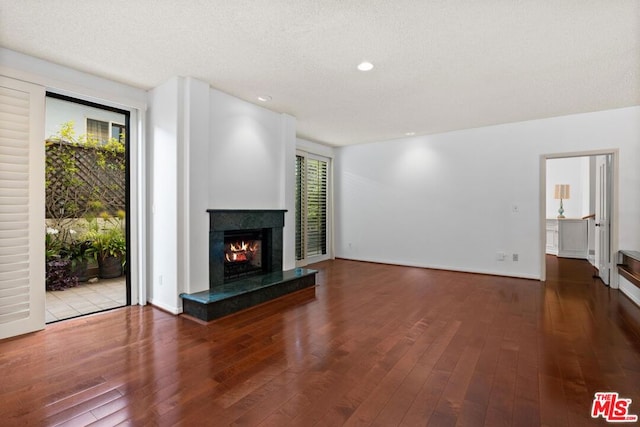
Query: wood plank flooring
x=379, y=345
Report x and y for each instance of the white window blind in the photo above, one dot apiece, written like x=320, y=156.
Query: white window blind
x=21, y=266
x=312, y=207
x=316, y=192
x=300, y=207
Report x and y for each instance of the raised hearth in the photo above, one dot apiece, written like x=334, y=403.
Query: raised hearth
x=238, y=295
x=245, y=264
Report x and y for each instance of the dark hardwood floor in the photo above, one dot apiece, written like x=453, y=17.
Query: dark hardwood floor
x=378, y=345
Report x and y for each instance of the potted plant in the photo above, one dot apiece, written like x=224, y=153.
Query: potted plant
x=58, y=275
x=109, y=248
x=79, y=252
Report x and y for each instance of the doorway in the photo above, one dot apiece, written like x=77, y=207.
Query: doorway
x=579, y=210
x=87, y=207
x=313, y=219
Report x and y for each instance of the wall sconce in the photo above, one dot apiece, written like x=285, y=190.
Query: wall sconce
x=562, y=191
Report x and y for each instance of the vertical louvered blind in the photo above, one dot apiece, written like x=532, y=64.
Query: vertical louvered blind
x=300, y=206
x=18, y=274
x=316, y=207
x=312, y=208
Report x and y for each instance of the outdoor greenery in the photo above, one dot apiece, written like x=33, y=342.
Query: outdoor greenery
x=78, y=252
x=59, y=275
x=83, y=177
x=108, y=237
x=82, y=225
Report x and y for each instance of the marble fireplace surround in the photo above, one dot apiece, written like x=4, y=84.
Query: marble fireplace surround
x=227, y=297
x=270, y=222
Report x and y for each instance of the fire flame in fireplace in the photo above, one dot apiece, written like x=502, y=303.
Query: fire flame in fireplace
x=241, y=251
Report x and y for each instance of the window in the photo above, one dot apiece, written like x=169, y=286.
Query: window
x=98, y=129
x=312, y=208
x=102, y=130
x=117, y=131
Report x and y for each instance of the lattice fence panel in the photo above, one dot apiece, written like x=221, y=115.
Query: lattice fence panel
x=81, y=178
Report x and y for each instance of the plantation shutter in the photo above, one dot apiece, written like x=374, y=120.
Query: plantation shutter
x=312, y=207
x=316, y=207
x=300, y=207
x=22, y=263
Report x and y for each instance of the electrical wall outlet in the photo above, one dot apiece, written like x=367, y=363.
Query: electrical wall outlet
x=515, y=257
x=500, y=256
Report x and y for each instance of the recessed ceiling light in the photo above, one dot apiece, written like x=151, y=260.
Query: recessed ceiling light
x=264, y=98
x=410, y=133
x=365, y=66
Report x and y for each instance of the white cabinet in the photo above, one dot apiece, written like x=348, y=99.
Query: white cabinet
x=552, y=236
x=573, y=241
x=568, y=238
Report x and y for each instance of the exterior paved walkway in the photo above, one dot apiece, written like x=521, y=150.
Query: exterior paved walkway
x=85, y=298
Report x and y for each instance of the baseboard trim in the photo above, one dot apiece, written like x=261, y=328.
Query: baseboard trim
x=446, y=268
x=164, y=307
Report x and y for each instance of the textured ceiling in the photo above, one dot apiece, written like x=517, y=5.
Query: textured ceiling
x=439, y=65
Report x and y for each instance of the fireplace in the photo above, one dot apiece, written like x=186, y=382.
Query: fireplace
x=244, y=243
x=245, y=265
x=243, y=254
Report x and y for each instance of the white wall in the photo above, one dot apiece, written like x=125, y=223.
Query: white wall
x=575, y=172
x=315, y=148
x=246, y=155
x=164, y=137
x=450, y=200
x=211, y=151
x=288, y=179
x=194, y=251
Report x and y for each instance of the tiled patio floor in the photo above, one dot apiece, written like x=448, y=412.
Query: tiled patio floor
x=85, y=298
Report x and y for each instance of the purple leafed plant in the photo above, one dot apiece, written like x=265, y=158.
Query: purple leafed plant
x=59, y=275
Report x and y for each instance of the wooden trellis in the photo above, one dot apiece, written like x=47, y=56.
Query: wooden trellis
x=83, y=179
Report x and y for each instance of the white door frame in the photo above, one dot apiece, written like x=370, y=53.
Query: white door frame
x=613, y=242
x=329, y=255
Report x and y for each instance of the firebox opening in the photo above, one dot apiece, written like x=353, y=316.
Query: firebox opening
x=243, y=253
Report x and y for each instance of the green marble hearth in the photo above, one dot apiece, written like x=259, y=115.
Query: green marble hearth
x=234, y=296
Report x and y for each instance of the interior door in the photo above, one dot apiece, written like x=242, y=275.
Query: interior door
x=602, y=220
x=22, y=227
